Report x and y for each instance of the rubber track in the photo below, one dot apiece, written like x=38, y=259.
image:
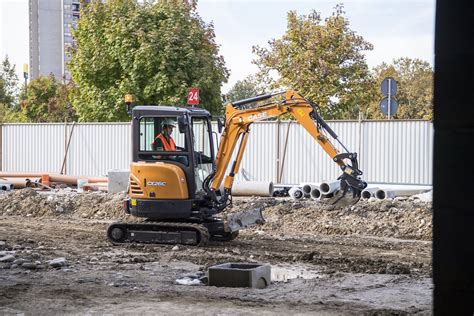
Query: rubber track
x=204, y=235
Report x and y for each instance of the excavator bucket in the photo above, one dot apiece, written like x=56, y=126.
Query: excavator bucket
x=350, y=188
x=339, y=199
x=245, y=219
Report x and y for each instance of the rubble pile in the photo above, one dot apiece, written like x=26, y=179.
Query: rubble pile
x=405, y=218
x=92, y=205
x=402, y=217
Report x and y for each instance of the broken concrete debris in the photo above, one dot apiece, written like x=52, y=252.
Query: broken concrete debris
x=7, y=258
x=58, y=262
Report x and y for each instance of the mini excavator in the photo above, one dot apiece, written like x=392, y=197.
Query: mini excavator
x=181, y=192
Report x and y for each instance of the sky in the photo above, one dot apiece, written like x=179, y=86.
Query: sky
x=14, y=32
x=403, y=28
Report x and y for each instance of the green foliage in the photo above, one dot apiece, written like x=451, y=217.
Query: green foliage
x=243, y=89
x=9, y=112
x=47, y=100
x=9, y=115
x=321, y=59
x=8, y=83
x=415, y=89
x=154, y=51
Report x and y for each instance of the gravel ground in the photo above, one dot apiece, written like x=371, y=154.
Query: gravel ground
x=372, y=258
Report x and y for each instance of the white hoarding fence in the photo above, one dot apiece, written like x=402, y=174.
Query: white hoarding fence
x=395, y=151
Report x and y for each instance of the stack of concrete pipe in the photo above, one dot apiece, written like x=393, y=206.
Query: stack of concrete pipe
x=314, y=191
x=390, y=191
x=319, y=191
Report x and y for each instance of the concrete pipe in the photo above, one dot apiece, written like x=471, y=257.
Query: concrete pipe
x=6, y=186
x=390, y=194
x=20, y=183
x=316, y=194
x=329, y=187
x=368, y=193
x=407, y=192
x=328, y=196
x=400, y=187
x=308, y=187
x=296, y=193
x=384, y=194
x=252, y=188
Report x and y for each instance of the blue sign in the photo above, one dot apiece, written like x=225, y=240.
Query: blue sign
x=389, y=106
x=389, y=86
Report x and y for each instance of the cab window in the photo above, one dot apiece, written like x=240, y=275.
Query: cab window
x=161, y=135
x=202, y=151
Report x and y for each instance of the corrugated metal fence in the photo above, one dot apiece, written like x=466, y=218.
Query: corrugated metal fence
x=93, y=148
x=389, y=151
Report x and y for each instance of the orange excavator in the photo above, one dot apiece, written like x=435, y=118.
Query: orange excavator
x=182, y=192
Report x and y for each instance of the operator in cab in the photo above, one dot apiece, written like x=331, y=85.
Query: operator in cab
x=163, y=141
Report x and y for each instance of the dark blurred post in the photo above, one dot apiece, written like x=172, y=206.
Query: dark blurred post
x=25, y=75
x=453, y=177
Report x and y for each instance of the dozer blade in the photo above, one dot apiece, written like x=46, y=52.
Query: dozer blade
x=245, y=219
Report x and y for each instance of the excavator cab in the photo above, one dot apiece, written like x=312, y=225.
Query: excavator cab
x=173, y=157
x=173, y=153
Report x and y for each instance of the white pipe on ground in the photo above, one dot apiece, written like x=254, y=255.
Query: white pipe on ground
x=327, y=196
x=308, y=187
x=252, y=188
x=396, y=187
x=390, y=194
x=20, y=183
x=329, y=187
x=407, y=192
x=368, y=193
x=6, y=186
x=316, y=194
x=384, y=194
x=296, y=193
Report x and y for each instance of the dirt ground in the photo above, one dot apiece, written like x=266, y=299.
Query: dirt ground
x=371, y=258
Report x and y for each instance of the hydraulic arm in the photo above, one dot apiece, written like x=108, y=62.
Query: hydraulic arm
x=238, y=121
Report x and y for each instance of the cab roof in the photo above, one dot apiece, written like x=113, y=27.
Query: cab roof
x=141, y=110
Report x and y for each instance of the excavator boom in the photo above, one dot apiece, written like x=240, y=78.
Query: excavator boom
x=238, y=121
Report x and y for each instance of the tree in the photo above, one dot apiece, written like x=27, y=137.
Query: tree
x=243, y=89
x=11, y=115
x=415, y=89
x=47, y=100
x=322, y=60
x=154, y=51
x=8, y=83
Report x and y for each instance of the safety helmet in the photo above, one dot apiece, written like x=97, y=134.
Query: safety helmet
x=168, y=122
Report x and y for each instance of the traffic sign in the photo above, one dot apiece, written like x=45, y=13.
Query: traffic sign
x=193, y=96
x=389, y=87
x=389, y=106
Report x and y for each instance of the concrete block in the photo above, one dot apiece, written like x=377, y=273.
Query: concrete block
x=240, y=275
x=118, y=180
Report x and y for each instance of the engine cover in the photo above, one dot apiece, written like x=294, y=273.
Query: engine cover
x=157, y=180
